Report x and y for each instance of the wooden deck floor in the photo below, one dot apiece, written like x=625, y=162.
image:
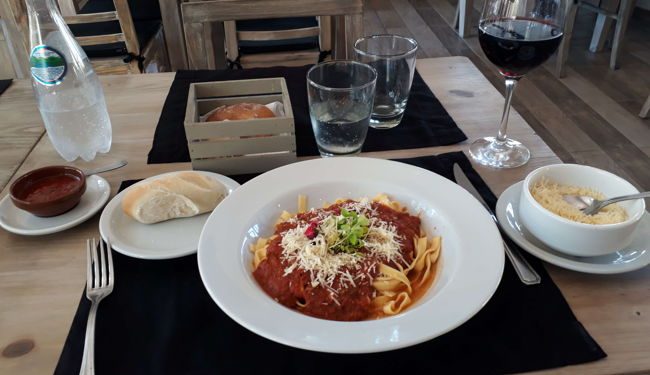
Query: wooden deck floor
x=589, y=117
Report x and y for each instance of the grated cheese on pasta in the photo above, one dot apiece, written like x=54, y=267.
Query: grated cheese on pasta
x=549, y=195
x=313, y=255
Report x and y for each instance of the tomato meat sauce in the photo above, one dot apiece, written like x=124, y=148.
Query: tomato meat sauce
x=295, y=289
x=51, y=188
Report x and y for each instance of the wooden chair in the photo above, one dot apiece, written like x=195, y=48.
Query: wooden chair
x=128, y=36
x=199, y=16
x=605, y=17
x=245, y=45
x=114, y=40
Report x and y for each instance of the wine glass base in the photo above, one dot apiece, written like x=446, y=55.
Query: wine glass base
x=509, y=154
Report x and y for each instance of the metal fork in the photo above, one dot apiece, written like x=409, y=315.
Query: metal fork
x=99, y=284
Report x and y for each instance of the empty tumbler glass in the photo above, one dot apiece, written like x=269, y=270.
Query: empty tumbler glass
x=393, y=57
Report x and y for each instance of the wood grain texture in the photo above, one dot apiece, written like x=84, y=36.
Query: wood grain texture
x=91, y=18
x=199, y=13
x=110, y=65
x=325, y=32
x=278, y=34
x=94, y=40
x=195, y=48
x=170, y=11
x=228, y=10
x=295, y=58
x=231, y=40
x=128, y=28
x=156, y=58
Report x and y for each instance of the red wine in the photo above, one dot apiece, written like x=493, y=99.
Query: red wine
x=518, y=45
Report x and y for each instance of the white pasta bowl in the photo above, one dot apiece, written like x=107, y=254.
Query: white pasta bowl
x=574, y=238
x=469, y=268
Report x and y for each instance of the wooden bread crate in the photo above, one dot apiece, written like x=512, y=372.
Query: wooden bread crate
x=241, y=146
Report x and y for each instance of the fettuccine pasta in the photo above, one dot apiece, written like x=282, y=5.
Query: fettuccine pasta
x=350, y=260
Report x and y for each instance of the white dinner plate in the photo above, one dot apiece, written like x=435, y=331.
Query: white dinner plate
x=633, y=257
x=471, y=259
x=22, y=222
x=165, y=240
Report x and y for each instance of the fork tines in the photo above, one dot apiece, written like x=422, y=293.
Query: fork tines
x=100, y=265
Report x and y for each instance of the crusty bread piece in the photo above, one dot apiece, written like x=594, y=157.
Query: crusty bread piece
x=240, y=111
x=180, y=195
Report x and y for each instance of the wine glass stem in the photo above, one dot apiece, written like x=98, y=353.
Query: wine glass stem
x=511, y=83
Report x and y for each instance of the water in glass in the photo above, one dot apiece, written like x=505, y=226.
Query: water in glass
x=339, y=133
x=340, y=95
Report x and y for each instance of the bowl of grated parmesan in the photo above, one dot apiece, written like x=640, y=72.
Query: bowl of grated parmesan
x=567, y=229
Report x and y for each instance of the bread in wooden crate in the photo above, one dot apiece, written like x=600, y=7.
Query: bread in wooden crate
x=239, y=146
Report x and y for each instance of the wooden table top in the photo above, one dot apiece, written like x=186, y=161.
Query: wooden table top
x=41, y=278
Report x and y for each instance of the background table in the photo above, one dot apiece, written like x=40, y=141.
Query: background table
x=41, y=277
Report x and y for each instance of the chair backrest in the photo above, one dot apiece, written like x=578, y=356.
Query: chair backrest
x=319, y=28
x=198, y=15
x=127, y=35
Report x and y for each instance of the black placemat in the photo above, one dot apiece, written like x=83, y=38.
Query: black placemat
x=4, y=84
x=425, y=124
x=160, y=320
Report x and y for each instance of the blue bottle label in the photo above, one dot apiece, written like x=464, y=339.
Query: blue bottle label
x=48, y=66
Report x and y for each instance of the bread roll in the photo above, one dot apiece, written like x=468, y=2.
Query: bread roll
x=240, y=111
x=180, y=195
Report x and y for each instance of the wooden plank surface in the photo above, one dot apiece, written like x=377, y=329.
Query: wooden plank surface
x=170, y=11
x=228, y=10
x=41, y=278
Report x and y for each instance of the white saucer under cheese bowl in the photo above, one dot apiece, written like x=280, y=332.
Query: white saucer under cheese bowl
x=165, y=240
x=574, y=238
x=15, y=220
x=633, y=257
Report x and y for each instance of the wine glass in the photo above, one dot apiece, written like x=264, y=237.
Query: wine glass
x=516, y=36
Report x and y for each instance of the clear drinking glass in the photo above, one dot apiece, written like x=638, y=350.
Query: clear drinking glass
x=516, y=36
x=393, y=57
x=340, y=95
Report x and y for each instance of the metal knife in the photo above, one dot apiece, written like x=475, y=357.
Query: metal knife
x=525, y=272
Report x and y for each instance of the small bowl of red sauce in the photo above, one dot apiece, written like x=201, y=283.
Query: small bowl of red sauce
x=48, y=191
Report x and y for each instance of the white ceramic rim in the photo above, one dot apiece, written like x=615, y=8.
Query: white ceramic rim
x=105, y=194
x=526, y=184
x=511, y=196
x=473, y=281
x=107, y=232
